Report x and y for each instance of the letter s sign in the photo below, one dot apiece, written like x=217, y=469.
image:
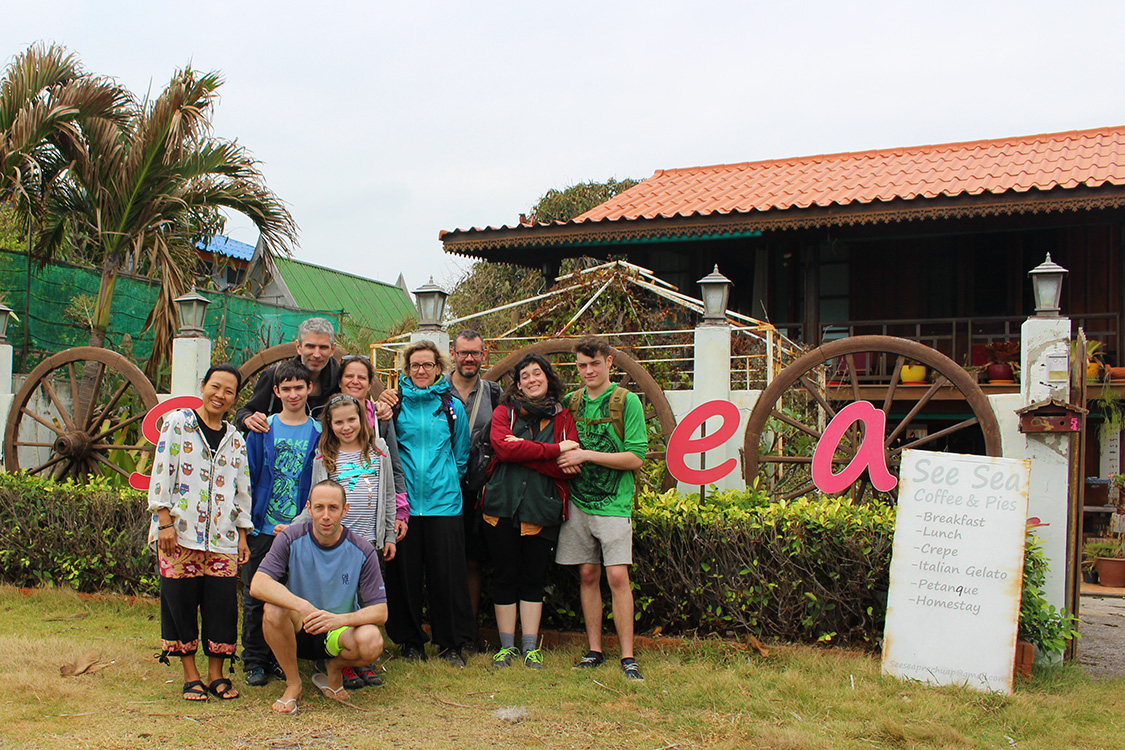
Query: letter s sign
x=148, y=429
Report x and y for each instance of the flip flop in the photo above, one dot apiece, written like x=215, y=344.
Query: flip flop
x=222, y=689
x=321, y=682
x=283, y=704
x=195, y=687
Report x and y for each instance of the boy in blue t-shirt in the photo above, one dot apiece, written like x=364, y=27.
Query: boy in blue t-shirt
x=280, y=478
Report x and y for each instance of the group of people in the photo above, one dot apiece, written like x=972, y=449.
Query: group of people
x=347, y=512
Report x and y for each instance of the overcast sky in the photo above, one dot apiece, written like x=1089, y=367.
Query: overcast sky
x=380, y=124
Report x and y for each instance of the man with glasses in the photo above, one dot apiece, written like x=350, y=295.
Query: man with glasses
x=480, y=397
x=316, y=343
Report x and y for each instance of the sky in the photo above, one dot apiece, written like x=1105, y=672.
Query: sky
x=380, y=124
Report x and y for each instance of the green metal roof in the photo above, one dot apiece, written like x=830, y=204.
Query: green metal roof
x=372, y=304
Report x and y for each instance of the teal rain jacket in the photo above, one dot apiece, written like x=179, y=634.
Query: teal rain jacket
x=433, y=459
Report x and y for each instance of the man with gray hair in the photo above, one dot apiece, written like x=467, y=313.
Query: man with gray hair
x=316, y=343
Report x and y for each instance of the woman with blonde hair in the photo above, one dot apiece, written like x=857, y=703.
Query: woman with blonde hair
x=433, y=442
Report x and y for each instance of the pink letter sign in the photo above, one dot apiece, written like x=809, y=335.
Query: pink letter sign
x=870, y=455
x=681, y=442
x=148, y=429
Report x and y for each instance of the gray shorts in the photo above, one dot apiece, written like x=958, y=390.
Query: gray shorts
x=602, y=540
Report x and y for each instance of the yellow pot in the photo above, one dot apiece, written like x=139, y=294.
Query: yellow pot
x=913, y=374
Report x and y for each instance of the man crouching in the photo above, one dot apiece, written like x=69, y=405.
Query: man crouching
x=313, y=615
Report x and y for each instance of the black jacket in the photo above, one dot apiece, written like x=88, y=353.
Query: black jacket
x=264, y=401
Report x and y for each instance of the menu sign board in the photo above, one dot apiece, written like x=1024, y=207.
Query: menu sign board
x=957, y=570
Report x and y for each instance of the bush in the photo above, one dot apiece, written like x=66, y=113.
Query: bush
x=804, y=570
x=90, y=537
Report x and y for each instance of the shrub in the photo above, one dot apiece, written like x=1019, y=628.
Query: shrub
x=90, y=537
x=806, y=570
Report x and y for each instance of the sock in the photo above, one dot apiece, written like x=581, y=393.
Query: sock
x=507, y=640
x=528, y=641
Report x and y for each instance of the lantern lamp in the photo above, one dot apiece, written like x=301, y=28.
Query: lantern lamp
x=716, y=293
x=430, y=302
x=191, y=308
x=1046, y=284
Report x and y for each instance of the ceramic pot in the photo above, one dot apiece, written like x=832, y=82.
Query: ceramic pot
x=999, y=371
x=1025, y=658
x=913, y=374
x=1116, y=373
x=1111, y=571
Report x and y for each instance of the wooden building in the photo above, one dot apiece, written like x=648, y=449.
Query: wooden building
x=931, y=243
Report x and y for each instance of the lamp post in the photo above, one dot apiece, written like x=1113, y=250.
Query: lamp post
x=716, y=293
x=1046, y=284
x=190, y=309
x=430, y=302
x=5, y=316
x=191, y=348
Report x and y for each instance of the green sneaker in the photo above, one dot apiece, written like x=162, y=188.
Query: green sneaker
x=533, y=659
x=504, y=657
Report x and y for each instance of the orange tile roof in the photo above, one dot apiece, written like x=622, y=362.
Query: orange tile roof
x=1044, y=162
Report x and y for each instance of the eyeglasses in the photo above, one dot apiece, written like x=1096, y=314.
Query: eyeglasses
x=424, y=366
x=470, y=355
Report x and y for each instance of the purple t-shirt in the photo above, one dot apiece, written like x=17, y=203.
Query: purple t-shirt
x=339, y=579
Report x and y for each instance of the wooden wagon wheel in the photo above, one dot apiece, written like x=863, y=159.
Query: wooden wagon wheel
x=658, y=414
x=254, y=366
x=792, y=412
x=54, y=431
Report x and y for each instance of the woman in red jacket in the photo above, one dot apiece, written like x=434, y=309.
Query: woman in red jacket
x=525, y=500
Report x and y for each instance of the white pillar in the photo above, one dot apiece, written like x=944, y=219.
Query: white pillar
x=712, y=382
x=1045, y=350
x=5, y=386
x=441, y=338
x=191, y=358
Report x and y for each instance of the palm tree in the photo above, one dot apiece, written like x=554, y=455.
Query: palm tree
x=149, y=189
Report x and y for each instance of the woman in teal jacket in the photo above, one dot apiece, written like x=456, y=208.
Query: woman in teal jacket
x=433, y=441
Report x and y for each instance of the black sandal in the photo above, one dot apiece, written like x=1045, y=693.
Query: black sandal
x=195, y=687
x=221, y=689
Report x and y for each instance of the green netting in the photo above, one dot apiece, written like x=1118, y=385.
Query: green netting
x=58, y=290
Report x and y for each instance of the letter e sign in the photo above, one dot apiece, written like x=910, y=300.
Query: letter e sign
x=682, y=443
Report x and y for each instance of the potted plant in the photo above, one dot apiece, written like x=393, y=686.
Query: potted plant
x=1091, y=551
x=1041, y=627
x=913, y=373
x=1110, y=562
x=1094, y=363
x=1003, y=360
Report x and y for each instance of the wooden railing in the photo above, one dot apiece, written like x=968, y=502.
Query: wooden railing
x=963, y=339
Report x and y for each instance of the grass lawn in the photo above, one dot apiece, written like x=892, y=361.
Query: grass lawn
x=706, y=694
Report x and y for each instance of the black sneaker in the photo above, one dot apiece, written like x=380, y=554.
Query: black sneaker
x=367, y=674
x=412, y=652
x=256, y=677
x=352, y=681
x=631, y=670
x=590, y=660
x=453, y=657
x=275, y=670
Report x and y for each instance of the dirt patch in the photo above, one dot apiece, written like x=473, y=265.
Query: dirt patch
x=1101, y=649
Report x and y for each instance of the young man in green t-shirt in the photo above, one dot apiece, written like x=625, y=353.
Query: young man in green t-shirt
x=599, y=530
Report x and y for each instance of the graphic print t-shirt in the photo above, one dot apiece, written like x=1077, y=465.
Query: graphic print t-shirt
x=290, y=449
x=600, y=490
x=363, y=486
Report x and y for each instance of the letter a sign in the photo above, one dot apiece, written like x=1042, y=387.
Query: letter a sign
x=869, y=456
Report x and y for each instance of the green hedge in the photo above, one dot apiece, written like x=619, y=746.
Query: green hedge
x=801, y=570
x=804, y=570
x=89, y=537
